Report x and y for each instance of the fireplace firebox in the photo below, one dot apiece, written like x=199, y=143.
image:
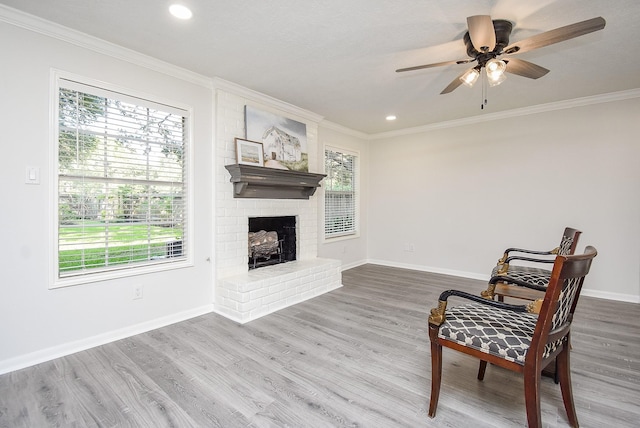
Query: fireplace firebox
x=272, y=240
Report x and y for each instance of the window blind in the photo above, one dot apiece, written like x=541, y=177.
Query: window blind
x=340, y=193
x=121, y=181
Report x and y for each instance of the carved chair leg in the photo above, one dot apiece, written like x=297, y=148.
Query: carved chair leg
x=489, y=292
x=532, y=398
x=482, y=369
x=436, y=376
x=563, y=371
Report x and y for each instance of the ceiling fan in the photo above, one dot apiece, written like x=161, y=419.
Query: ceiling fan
x=487, y=40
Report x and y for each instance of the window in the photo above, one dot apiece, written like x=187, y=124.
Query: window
x=121, y=184
x=340, y=195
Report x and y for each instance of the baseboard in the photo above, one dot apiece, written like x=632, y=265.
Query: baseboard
x=353, y=265
x=48, y=354
x=611, y=296
x=228, y=315
x=58, y=351
x=585, y=291
x=431, y=269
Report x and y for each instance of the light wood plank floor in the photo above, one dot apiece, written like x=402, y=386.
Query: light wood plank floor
x=355, y=357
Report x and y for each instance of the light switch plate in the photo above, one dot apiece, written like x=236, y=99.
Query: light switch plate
x=32, y=175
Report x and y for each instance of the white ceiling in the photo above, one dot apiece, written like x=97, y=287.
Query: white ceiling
x=337, y=58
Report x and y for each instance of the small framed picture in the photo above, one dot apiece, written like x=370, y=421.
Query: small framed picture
x=249, y=152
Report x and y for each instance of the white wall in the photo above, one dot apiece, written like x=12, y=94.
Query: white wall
x=37, y=323
x=468, y=192
x=351, y=250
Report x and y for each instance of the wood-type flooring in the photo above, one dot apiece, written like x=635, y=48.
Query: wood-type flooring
x=355, y=357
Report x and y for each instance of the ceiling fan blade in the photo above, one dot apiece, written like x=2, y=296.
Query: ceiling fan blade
x=454, y=84
x=437, y=64
x=482, y=33
x=525, y=68
x=558, y=35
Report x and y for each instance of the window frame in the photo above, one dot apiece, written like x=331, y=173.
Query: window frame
x=356, y=177
x=58, y=80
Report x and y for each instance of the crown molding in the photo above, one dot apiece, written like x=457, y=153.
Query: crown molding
x=525, y=111
x=83, y=40
x=47, y=28
x=258, y=97
x=344, y=130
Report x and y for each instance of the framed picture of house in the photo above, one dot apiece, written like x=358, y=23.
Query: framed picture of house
x=249, y=152
x=284, y=140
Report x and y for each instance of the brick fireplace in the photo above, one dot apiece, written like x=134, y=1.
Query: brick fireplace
x=244, y=295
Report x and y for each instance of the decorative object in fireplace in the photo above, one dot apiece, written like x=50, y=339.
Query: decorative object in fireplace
x=264, y=245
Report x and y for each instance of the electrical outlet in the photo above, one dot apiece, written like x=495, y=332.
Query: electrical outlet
x=137, y=292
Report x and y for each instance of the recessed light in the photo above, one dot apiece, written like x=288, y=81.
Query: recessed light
x=391, y=117
x=180, y=11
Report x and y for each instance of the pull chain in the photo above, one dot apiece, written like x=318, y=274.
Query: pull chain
x=484, y=92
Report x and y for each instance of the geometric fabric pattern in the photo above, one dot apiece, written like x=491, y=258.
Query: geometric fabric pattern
x=501, y=332
x=565, y=246
x=527, y=274
x=567, y=296
x=498, y=332
x=532, y=275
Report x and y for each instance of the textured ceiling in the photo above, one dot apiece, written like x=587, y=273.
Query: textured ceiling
x=338, y=58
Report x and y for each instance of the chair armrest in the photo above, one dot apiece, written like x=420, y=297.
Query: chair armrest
x=510, y=280
x=438, y=315
x=529, y=259
x=526, y=251
x=504, y=263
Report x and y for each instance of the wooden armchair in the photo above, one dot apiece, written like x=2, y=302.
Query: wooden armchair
x=507, y=279
x=522, y=338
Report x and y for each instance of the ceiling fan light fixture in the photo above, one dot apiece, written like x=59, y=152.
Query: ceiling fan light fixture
x=495, y=80
x=495, y=66
x=495, y=71
x=470, y=77
x=487, y=39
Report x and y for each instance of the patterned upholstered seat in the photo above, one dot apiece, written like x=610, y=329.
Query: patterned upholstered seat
x=508, y=274
x=526, y=274
x=522, y=338
x=498, y=332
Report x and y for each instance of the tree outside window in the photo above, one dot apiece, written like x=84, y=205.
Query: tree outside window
x=340, y=193
x=121, y=182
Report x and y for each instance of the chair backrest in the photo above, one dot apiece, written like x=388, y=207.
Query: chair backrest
x=559, y=304
x=569, y=241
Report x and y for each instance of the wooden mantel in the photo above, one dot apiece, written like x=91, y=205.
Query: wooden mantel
x=268, y=183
